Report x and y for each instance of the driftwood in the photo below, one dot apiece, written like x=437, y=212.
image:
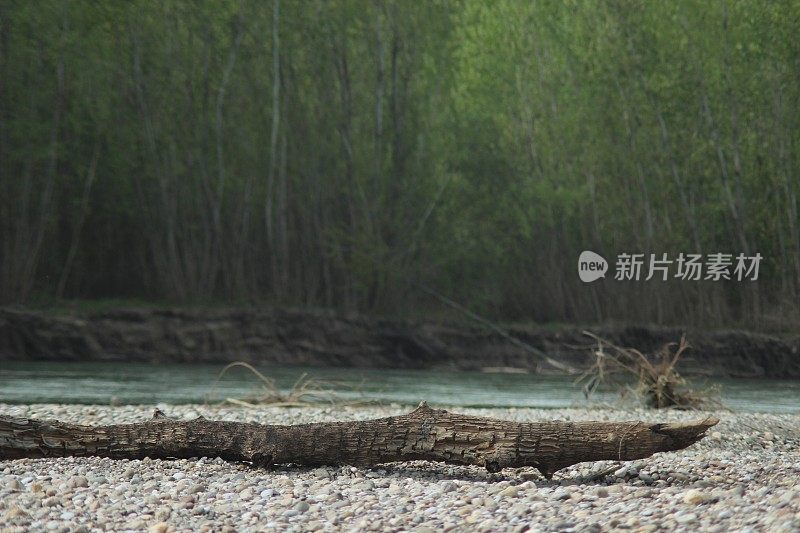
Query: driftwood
x=424, y=434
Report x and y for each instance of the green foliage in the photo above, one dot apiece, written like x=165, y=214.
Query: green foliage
x=332, y=153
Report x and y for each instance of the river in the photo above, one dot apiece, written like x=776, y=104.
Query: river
x=140, y=383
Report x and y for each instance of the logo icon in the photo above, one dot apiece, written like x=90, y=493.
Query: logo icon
x=591, y=266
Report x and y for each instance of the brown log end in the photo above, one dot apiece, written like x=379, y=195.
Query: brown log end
x=681, y=435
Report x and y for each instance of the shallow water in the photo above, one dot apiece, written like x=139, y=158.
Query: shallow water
x=141, y=383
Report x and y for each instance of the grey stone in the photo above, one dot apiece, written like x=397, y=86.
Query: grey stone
x=686, y=518
x=301, y=506
x=561, y=494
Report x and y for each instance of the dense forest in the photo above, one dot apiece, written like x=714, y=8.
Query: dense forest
x=349, y=153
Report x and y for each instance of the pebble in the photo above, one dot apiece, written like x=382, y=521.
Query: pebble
x=695, y=497
x=14, y=512
x=301, y=507
x=561, y=494
x=78, y=482
x=744, y=480
x=510, y=492
x=321, y=473
x=647, y=478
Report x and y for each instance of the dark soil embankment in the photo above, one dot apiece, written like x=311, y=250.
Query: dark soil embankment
x=320, y=338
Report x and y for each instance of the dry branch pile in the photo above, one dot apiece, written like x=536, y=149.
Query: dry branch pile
x=305, y=391
x=654, y=380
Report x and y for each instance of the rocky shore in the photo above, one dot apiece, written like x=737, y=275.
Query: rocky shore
x=743, y=477
x=324, y=338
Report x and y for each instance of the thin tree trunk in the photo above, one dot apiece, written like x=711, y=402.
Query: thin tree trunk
x=218, y=254
x=424, y=434
x=789, y=187
x=725, y=178
x=274, y=284
x=40, y=227
x=379, y=90
x=352, y=190
x=632, y=132
x=76, y=235
x=282, y=193
x=175, y=277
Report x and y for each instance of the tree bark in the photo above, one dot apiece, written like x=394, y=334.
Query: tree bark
x=424, y=434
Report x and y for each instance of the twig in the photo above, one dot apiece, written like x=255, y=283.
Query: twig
x=497, y=329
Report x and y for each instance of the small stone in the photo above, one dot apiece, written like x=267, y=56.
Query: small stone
x=301, y=507
x=561, y=494
x=679, y=476
x=602, y=492
x=246, y=494
x=14, y=512
x=321, y=473
x=161, y=527
x=510, y=492
x=448, y=486
x=647, y=478
x=695, y=497
x=13, y=484
x=621, y=472
x=685, y=518
x=51, y=501
x=78, y=482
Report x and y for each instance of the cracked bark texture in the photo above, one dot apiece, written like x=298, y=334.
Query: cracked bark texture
x=424, y=434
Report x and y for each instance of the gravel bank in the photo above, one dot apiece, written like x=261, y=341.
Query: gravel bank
x=744, y=477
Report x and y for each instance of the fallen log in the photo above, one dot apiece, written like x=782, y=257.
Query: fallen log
x=424, y=434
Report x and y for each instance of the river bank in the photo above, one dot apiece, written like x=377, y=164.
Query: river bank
x=323, y=338
x=742, y=477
